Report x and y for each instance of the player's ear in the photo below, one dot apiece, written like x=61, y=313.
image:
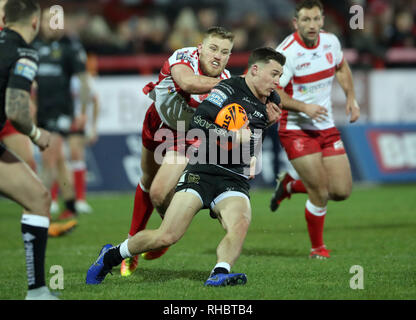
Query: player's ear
x=199, y=48
x=35, y=22
x=254, y=69
x=295, y=23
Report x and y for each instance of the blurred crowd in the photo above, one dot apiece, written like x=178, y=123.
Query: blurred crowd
x=125, y=27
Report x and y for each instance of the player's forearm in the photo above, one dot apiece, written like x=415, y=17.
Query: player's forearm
x=195, y=84
x=289, y=103
x=18, y=110
x=344, y=78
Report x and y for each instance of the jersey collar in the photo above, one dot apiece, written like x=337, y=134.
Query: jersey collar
x=300, y=41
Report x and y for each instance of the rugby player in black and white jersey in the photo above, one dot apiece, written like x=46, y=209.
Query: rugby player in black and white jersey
x=223, y=186
x=18, y=67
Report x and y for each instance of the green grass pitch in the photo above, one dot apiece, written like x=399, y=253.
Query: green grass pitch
x=374, y=229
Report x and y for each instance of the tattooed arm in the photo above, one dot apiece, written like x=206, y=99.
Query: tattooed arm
x=17, y=110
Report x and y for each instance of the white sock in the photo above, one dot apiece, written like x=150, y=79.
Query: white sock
x=35, y=220
x=224, y=265
x=316, y=211
x=124, y=250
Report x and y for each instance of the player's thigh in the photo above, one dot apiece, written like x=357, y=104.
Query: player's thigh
x=234, y=213
x=311, y=170
x=339, y=176
x=149, y=167
x=179, y=215
x=168, y=174
x=20, y=145
x=20, y=183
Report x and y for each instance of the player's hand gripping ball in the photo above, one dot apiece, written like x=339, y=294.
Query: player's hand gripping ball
x=232, y=117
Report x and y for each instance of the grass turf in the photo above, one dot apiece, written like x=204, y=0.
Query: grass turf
x=375, y=229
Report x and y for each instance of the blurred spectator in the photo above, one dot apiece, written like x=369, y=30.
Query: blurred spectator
x=207, y=17
x=404, y=30
x=371, y=53
x=161, y=26
x=156, y=40
x=185, y=30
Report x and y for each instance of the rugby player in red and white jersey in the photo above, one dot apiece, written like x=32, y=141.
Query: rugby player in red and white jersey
x=185, y=80
x=307, y=130
x=13, y=139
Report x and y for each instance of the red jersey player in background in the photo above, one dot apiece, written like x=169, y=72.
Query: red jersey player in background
x=13, y=139
x=184, y=81
x=307, y=131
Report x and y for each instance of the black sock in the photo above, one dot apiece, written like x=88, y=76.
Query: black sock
x=35, y=238
x=219, y=270
x=112, y=258
x=70, y=205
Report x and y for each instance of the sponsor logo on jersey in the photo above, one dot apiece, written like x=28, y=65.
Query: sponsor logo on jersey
x=303, y=66
x=315, y=55
x=217, y=97
x=184, y=56
x=26, y=68
x=315, y=87
x=300, y=54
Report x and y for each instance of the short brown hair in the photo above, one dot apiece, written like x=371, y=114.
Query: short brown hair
x=219, y=32
x=265, y=54
x=308, y=4
x=19, y=10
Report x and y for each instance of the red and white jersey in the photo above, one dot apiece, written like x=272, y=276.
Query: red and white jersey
x=307, y=76
x=171, y=102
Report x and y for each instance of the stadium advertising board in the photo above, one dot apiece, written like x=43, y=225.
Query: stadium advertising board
x=382, y=153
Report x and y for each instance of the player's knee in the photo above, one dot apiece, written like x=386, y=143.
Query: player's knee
x=340, y=195
x=241, y=226
x=43, y=202
x=157, y=195
x=167, y=239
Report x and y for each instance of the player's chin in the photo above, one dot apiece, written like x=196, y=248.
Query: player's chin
x=214, y=72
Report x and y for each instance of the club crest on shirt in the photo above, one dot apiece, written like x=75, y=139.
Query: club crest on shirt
x=298, y=145
x=329, y=57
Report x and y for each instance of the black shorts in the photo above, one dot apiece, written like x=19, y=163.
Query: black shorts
x=212, y=184
x=61, y=124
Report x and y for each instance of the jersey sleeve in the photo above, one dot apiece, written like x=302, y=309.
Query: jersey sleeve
x=339, y=55
x=287, y=71
x=22, y=74
x=183, y=56
x=77, y=57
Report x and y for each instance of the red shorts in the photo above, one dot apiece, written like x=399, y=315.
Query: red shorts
x=7, y=130
x=171, y=138
x=298, y=143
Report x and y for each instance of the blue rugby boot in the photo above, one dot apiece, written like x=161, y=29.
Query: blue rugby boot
x=97, y=271
x=226, y=279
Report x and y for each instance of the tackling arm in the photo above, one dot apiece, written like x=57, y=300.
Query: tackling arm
x=190, y=82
